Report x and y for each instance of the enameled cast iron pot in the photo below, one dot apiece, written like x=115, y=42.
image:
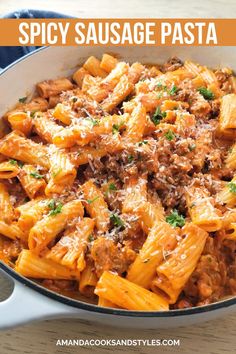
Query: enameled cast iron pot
x=29, y=301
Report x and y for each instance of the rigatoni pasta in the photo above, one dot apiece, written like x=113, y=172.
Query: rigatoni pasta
x=118, y=183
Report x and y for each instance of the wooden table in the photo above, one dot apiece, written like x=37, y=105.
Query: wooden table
x=215, y=337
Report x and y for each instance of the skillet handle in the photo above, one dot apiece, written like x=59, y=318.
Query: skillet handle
x=25, y=305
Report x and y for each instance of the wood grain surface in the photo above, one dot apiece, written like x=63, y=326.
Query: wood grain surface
x=216, y=337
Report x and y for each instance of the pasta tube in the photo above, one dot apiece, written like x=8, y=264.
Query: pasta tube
x=11, y=231
x=231, y=158
x=63, y=113
x=136, y=124
x=228, y=194
x=45, y=230
x=31, y=212
x=128, y=295
x=70, y=250
x=30, y=265
x=88, y=281
x=135, y=194
x=20, y=121
x=53, y=87
x=201, y=209
x=79, y=75
x=106, y=303
x=161, y=239
x=46, y=128
x=108, y=62
x=62, y=171
x=92, y=65
x=16, y=146
x=6, y=209
x=9, y=169
x=120, y=92
x=32, y=181
x=228, y=112
x=96, y=206
x=173, y=274
x=101, y=91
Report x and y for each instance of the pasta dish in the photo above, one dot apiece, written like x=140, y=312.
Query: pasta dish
x=118, y=184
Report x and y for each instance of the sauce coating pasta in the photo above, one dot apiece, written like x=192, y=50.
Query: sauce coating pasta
x=119, y=184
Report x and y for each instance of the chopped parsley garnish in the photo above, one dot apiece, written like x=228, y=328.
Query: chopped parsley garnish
x=13, y=162
x=159, y=85
x=130, y=158
x=207, y=94
x=22, y=99
x=32, y=114
x=52, y=204
x=91, y=238
x=170, y=135
x=158, y=116
x=173, y=90
x=54, y=207
x=116, y=128
x=112, y=187
x=36, y=175
x=175, y=219
x=94, y=121
x=232, y=187
x=90, y=201
x=192, y=147
x=144, y=142
x=116, y=220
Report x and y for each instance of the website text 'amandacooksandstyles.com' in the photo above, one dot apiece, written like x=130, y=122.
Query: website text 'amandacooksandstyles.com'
x=167, y=342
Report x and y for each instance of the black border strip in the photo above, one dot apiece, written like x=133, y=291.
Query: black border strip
x=94, y=308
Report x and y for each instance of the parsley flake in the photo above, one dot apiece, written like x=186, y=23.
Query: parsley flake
x=32, y=114
x=112, y=187
x=55, y=207
x=232, y=187
x=130, y=158
x=116, y=220
x=91, y=238
x=144, y=142
x=207, y=94
x=13, y=162
x=192, y=147
x=94, y=121
x=158, y=116
x=22, y=99
x=160, y=86
x=36, y=175
x=173, y=90
x=175, y=219
x=116, y=128
x=170, y=135
x=90, y=201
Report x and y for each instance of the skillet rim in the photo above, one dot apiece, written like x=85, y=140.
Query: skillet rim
x=94, y=308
